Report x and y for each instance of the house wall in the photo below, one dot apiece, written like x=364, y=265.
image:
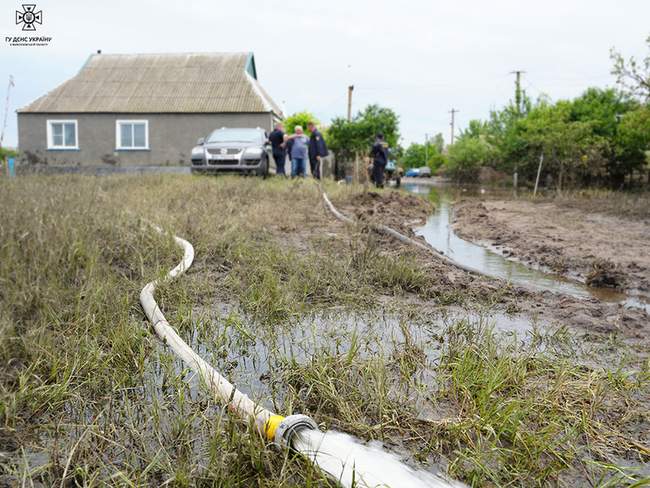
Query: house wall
x=171, y=137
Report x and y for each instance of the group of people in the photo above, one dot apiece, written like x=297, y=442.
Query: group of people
x=299, y=148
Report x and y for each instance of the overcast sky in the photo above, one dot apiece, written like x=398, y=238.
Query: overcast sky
x=418, y=57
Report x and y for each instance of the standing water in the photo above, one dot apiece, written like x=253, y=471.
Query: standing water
x=439, y=233
x=354, y=464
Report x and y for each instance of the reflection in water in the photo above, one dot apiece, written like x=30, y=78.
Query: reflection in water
x=438, y=233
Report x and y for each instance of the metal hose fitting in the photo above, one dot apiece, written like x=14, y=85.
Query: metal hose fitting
x=288, y=427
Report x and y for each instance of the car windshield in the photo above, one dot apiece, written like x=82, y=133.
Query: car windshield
x=235, y=135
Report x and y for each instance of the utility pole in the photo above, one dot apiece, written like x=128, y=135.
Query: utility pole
x=518, y=100
x=4, y=124
x=453, y=113
x=350, y=90
x=3, y=161
x=518, y=97
x=426, y=149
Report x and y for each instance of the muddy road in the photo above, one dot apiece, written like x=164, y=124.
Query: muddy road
x=587, y=311
x=601, y=250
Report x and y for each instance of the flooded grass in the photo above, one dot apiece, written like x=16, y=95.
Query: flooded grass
x=303, y=314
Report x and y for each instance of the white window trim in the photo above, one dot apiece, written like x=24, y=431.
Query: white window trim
x=50, y=142
x=118, y=137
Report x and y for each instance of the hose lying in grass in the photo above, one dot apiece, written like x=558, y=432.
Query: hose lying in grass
x=384, y=229
x=341, y=456
x=274, y=428
x=236, y=401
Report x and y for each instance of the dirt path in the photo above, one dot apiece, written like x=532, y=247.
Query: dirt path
x=450, y=284
x=603, y=250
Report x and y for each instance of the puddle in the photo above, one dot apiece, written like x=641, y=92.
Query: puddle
x=438, y=232
x=250, y=353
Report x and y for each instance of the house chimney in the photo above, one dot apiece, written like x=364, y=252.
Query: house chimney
x=99, y=51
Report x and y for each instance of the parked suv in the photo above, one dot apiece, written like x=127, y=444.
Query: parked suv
x=239, y=150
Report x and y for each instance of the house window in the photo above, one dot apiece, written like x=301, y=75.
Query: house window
x=132, y=134
x=62, y=134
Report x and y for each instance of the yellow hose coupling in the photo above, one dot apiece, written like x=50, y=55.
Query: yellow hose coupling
x=271, y=426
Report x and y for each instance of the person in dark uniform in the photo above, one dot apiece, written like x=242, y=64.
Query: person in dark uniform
x=276, y=137
x=317, y=150
x=379, y=156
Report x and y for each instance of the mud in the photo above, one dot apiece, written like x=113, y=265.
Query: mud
x=399, y=210
x=601, y=250
x=452, y=285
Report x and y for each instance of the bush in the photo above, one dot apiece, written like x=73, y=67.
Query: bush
x=345, y=138
x=418, y=155
x=6, y=152
x=301, y=119
x=467, y=156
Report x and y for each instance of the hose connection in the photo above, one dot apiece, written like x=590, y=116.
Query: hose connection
x=281, y=430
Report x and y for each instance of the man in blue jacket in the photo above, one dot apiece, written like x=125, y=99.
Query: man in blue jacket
x=317, y=150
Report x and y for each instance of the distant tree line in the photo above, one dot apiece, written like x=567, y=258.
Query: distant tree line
x=600, y=138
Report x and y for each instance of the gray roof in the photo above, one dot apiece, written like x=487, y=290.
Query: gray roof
x=160, y=83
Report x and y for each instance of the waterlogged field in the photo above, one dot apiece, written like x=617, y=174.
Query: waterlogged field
x=494, y=385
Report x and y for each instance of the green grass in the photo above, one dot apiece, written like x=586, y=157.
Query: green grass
x=90, y=396
x=632, y=204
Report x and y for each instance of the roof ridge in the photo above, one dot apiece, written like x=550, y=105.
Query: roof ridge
x=206, y=82
x=178, y=53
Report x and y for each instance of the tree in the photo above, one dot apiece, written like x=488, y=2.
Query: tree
x=429, y=154
x=356, y=136
x=603, y=110
x=301, y=119
x=573, y=153
x=7, y=153
x=579, y=138
x=633, y=76
x=476, y=128
x=466, y=156
x=632, y=141
x=438, y=141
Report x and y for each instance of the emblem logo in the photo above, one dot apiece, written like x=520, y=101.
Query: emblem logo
x=29, y=16
x=224, y=150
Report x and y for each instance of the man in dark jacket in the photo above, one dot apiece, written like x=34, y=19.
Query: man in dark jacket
x=317, y=150
x=379, y=156
x=276, y=137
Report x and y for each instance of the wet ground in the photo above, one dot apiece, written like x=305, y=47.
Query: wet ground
x=496, y=261
x=605, y=251
x=389, y=367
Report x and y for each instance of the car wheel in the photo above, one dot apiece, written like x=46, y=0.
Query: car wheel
x=264, y=169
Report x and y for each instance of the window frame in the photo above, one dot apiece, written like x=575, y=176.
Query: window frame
x=118, y=134
x=50, y=135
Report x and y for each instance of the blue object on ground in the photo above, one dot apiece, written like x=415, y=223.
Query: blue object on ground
x=414, y=172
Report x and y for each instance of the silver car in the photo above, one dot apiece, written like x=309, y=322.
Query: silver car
x=238, y=150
